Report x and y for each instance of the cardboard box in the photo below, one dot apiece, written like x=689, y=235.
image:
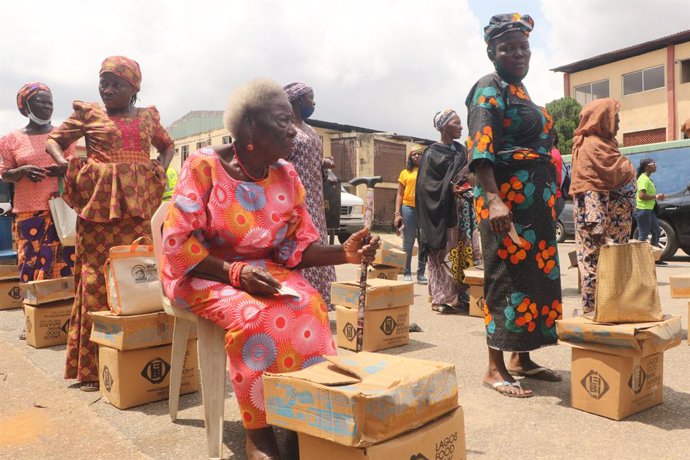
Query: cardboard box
x=10, y=294
x=476, y=301
x=46, y=291
x=631, y=339
x=10, y=271
x=47, y=325
x=474, y=276
x=381, y=294
x=388, y=245
x=382, y=328
x=133, y=332
x=390, y=257
x=380, y=271
x=680, y=286
x=135, y=377
x=362, y=399
x=616, y=386
x=441, y=439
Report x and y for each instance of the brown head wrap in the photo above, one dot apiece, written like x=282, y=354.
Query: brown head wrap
x=123, y=67
x=26, y=92
x=597, y=163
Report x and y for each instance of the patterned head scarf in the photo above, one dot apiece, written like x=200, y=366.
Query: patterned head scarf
x=503, y=23
x=123, y=67
x=442, y=118
x=27, y=92
x=296, y=89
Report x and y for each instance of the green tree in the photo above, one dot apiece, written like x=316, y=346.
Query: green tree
x=566, y=116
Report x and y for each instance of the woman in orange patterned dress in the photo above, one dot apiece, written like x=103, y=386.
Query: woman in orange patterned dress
x=115, y=192
x=239, y=229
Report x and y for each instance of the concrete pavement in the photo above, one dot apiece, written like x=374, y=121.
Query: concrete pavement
x=42, y=416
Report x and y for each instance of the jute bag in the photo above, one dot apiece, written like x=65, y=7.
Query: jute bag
x=64, y=218
x=626, y=289
x=132, y=279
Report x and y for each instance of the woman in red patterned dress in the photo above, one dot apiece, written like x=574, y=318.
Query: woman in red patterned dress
x=115, y=192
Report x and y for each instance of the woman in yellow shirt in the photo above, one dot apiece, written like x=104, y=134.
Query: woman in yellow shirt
x=405, y=217
x=646, y=200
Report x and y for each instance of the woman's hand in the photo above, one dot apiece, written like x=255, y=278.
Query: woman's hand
x=57, y=170
x=356, y=251
x=660, y=196
x=500, y=216
x=397, y=221
x=33, y=173
x=257, y=281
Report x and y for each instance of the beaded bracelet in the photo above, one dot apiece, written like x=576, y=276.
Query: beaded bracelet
x=235, y=273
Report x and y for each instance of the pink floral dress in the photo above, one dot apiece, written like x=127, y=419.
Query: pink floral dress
x=264, y=223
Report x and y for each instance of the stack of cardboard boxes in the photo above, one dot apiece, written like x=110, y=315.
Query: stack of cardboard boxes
x=47, y=308
x=134, y=358
x=386, y=313
x=10, y=294
x=680, y=289
x=618, y=369
x=389, y=262
x=369, y=406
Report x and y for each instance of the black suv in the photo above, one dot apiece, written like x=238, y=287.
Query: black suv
x=674, y=219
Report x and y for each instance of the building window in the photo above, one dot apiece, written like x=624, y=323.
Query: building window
x=185, y=153
x=584, y=94
x=648, y=136
x=685, y=71
x=227, y=139
x=643, y=80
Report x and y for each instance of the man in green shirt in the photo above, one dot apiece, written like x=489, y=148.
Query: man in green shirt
x=646, y=199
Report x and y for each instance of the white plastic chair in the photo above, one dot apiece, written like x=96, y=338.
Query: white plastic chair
x=211, y=350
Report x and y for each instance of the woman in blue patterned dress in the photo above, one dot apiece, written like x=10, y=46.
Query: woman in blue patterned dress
x=509, y=142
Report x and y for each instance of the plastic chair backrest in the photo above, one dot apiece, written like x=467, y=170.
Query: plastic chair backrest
x=157, y=235
x=5, y=233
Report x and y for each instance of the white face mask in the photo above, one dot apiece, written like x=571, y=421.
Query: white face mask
x=35, y=119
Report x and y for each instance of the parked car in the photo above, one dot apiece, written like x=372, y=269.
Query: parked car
x=674, y=219
x=351, y=214
x=565, y=228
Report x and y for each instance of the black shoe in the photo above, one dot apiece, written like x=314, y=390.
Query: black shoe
x=660, y=262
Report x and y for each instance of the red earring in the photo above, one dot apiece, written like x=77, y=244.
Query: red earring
x=250, y=147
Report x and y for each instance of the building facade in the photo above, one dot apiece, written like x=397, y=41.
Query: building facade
x=651, y=80
x=356, y=151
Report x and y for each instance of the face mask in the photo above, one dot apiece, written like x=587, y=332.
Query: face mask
x=35, y=119
x=305, y=111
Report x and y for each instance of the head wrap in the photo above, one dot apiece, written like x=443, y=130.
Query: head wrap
x=685, y=127
x=27, y=92
x=597, y=163
x=296, y=89
x=503, y=23
x=123, y=67
x=442, y=118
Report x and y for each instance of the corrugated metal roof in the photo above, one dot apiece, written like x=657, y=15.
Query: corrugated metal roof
x=624, y=53
x=196, y=122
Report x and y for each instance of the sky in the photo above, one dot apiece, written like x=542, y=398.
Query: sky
x=389, y=65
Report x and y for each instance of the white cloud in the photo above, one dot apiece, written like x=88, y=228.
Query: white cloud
x=384, y=64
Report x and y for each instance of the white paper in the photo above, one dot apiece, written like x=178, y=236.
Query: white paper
x=512, y=233
x=288, y=291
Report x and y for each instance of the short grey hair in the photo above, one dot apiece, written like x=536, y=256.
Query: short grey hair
x=249, y=99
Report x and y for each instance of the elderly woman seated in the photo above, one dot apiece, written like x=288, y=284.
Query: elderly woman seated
x=236, y=236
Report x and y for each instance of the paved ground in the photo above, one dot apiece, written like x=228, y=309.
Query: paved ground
x=42, y=416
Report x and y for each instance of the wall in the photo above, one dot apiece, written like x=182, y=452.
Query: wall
x=682, y=89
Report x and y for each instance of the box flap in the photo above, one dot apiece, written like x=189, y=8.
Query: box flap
x=621, y=339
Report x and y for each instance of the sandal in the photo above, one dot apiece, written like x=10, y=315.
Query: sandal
x=496, y=385
x=538, y=373
x=22, y=335
x=446, y=309
x=89, y=387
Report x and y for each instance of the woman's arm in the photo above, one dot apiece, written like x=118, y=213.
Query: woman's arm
x=166, y=156
x=397, y=218
x=353, y=251
x=645, y=196
x=500, y=216
x=34, y=173
x=253, y=280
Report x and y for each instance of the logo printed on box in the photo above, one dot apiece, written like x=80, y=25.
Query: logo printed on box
x=637, y=379
x=595, y=384
x=15, y=293
x=350, y=332
x=155, y=370
x=388, y=325
x=418, y=457
x=65, y=327
x=107, y=379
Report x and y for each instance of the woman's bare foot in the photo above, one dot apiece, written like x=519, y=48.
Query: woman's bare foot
x=261, y=444
x=521, y=364
x=499, y=379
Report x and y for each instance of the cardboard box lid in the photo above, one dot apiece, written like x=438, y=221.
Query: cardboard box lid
x=381, y=293
x=631, y=339
x=361, y=399
x=9, y=272
x=474, y=276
